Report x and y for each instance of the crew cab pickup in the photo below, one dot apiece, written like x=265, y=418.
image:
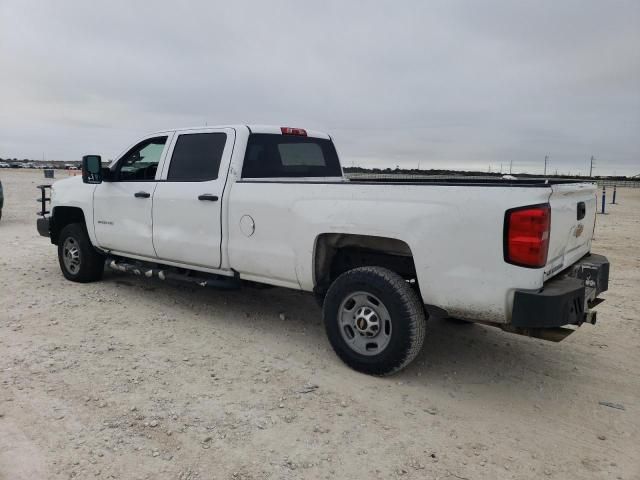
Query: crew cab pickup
x=234, y=204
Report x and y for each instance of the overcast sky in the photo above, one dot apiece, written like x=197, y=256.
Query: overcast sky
x=446, y=84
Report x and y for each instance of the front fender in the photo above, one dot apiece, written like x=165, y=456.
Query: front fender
x=72, y=192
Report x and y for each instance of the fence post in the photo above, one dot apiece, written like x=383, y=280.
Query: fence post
x=603, y=197
x=614, y=195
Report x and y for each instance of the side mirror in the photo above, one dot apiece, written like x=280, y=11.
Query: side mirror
x=92, y=169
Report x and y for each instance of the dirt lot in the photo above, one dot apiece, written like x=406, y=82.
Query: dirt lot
x=134, y=379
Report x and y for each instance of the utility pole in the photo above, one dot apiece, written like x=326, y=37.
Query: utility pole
x=546, y=158
x=591, y=167
x=510, y=166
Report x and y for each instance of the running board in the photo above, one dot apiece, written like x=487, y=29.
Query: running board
x=202, y=279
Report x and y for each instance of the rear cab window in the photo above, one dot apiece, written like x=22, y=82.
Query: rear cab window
x=289, y=156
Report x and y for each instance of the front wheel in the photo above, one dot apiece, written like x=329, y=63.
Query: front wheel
x=374, y=320
x=79, y=261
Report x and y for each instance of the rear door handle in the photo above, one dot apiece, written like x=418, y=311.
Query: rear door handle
x=209, y=197
x=142, y=195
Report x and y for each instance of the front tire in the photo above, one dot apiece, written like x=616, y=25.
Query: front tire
x=79, y=261
x=374, y=320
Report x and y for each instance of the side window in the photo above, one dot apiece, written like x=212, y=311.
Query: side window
x=141, y=162
x=196, y=157
x=273, y=156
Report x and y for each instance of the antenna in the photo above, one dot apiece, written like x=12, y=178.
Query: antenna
x=546, y=158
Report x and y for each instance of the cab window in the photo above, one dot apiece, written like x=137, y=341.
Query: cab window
x=196, y=157
x=273, y=156
x=141, y=162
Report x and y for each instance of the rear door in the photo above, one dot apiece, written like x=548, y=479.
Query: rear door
x=573, y=216
x=187, y=203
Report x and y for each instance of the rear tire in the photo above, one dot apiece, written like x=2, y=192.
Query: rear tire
x=374, y=320
x=79, y=260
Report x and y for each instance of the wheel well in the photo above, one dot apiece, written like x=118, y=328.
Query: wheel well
x=335, y=253
x=63, y=216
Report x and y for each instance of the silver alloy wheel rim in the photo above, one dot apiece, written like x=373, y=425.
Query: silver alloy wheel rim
x=365, y=323
x=71, y=255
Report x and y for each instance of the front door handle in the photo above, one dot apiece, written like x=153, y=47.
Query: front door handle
x=208, y=196
x=142, y=195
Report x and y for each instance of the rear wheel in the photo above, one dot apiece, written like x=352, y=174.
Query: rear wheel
x=374, y=320
x=79, y=261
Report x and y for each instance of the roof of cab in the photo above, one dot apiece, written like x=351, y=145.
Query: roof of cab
x=253, y=128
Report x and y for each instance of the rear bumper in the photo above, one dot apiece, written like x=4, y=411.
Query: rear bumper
x=565, y=299
x=43, y=226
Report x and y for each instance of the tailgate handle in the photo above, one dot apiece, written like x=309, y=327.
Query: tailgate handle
x=582, y=210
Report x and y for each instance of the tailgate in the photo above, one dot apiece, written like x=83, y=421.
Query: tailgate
x=573, y=216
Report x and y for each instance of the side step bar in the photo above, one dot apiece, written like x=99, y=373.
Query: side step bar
x=174, y=274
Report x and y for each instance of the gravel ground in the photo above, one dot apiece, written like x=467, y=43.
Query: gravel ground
x=136, y=379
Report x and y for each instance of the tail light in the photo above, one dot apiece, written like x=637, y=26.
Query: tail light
x=301, y=132
x=526, y=235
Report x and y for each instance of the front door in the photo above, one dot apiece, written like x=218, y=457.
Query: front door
x=122, y=206
x=187, y=203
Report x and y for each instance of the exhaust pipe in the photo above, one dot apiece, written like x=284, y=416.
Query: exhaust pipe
x=590, y=317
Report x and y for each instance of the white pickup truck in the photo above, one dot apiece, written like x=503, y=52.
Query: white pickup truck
x=221, y=206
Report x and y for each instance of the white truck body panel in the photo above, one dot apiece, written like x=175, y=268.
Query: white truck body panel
x=266, y=230
x=570, y=238
x=192, y=238
x=473, y=283
x=115, y=205
x=71, y=192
